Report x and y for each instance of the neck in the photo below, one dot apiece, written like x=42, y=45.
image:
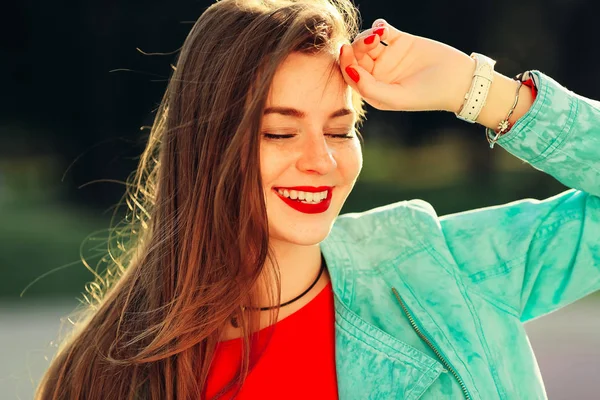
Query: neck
x=298, y=268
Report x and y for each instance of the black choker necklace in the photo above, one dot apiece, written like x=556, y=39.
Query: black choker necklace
x=234, y=319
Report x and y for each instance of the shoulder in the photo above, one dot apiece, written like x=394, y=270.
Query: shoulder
x=396, y=218
x=366, y=244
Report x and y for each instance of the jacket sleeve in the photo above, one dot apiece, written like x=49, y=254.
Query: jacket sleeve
x=532, y=257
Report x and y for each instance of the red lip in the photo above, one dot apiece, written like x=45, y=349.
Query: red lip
x=308, y=208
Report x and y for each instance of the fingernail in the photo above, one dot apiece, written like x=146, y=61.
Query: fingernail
x=353, y=74
x=379, y=31
x=370, y=39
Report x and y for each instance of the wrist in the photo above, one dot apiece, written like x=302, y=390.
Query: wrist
x=500, y=99
x=462, y=76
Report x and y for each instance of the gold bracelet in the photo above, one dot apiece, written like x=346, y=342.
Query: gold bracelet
x=504, y=125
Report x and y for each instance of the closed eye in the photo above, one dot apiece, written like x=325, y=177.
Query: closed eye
x=288, y=136
x=341, y=136
x=277, y=137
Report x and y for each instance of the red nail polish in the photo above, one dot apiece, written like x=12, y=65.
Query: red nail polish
x=379, y=31
x=353, y=74
x=370, y=39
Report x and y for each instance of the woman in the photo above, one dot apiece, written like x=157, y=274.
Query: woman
x=252, y=154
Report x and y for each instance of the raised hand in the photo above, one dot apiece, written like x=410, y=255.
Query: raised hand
x=412, y=73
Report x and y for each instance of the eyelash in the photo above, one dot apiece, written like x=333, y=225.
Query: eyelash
x=279, y=137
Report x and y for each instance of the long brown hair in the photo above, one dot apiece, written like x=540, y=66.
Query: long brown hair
x=195, y=239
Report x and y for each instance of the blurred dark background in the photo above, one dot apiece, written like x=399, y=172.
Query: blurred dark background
x=78, y=83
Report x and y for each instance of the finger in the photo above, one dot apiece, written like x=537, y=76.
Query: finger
x=379, y=22
x=346, y=56
x=393, y=34
x=359, y=78
x=347, y=60
x=368, y=43
x=368, y=47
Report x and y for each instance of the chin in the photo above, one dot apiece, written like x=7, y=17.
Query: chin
x=307, y=237
x=288, y=226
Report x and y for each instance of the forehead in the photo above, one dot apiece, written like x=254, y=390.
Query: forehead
x=312, y=83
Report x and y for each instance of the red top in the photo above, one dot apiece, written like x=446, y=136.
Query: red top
x=298, y=361
x=529, y=83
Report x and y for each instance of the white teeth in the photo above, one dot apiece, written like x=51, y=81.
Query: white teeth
x=306, y=197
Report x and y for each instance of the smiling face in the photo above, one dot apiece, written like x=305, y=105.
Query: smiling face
x=310, y=155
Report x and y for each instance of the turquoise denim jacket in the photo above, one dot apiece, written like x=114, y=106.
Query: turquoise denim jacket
x=430, y=307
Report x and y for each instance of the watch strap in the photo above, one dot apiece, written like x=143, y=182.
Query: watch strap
x=480, y=86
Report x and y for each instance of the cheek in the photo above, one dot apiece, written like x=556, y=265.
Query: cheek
x=273, y=161
x=265, y=166
x=350, y=161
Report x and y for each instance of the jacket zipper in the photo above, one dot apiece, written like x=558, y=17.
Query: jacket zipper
x=431, y=345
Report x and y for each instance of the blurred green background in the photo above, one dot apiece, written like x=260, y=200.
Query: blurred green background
x=78, y=83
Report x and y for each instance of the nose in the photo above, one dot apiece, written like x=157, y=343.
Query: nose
x=317, y=156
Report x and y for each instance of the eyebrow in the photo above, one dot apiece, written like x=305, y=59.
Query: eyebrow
x=292, y=112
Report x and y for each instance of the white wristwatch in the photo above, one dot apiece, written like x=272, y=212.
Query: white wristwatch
x=480, y=87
